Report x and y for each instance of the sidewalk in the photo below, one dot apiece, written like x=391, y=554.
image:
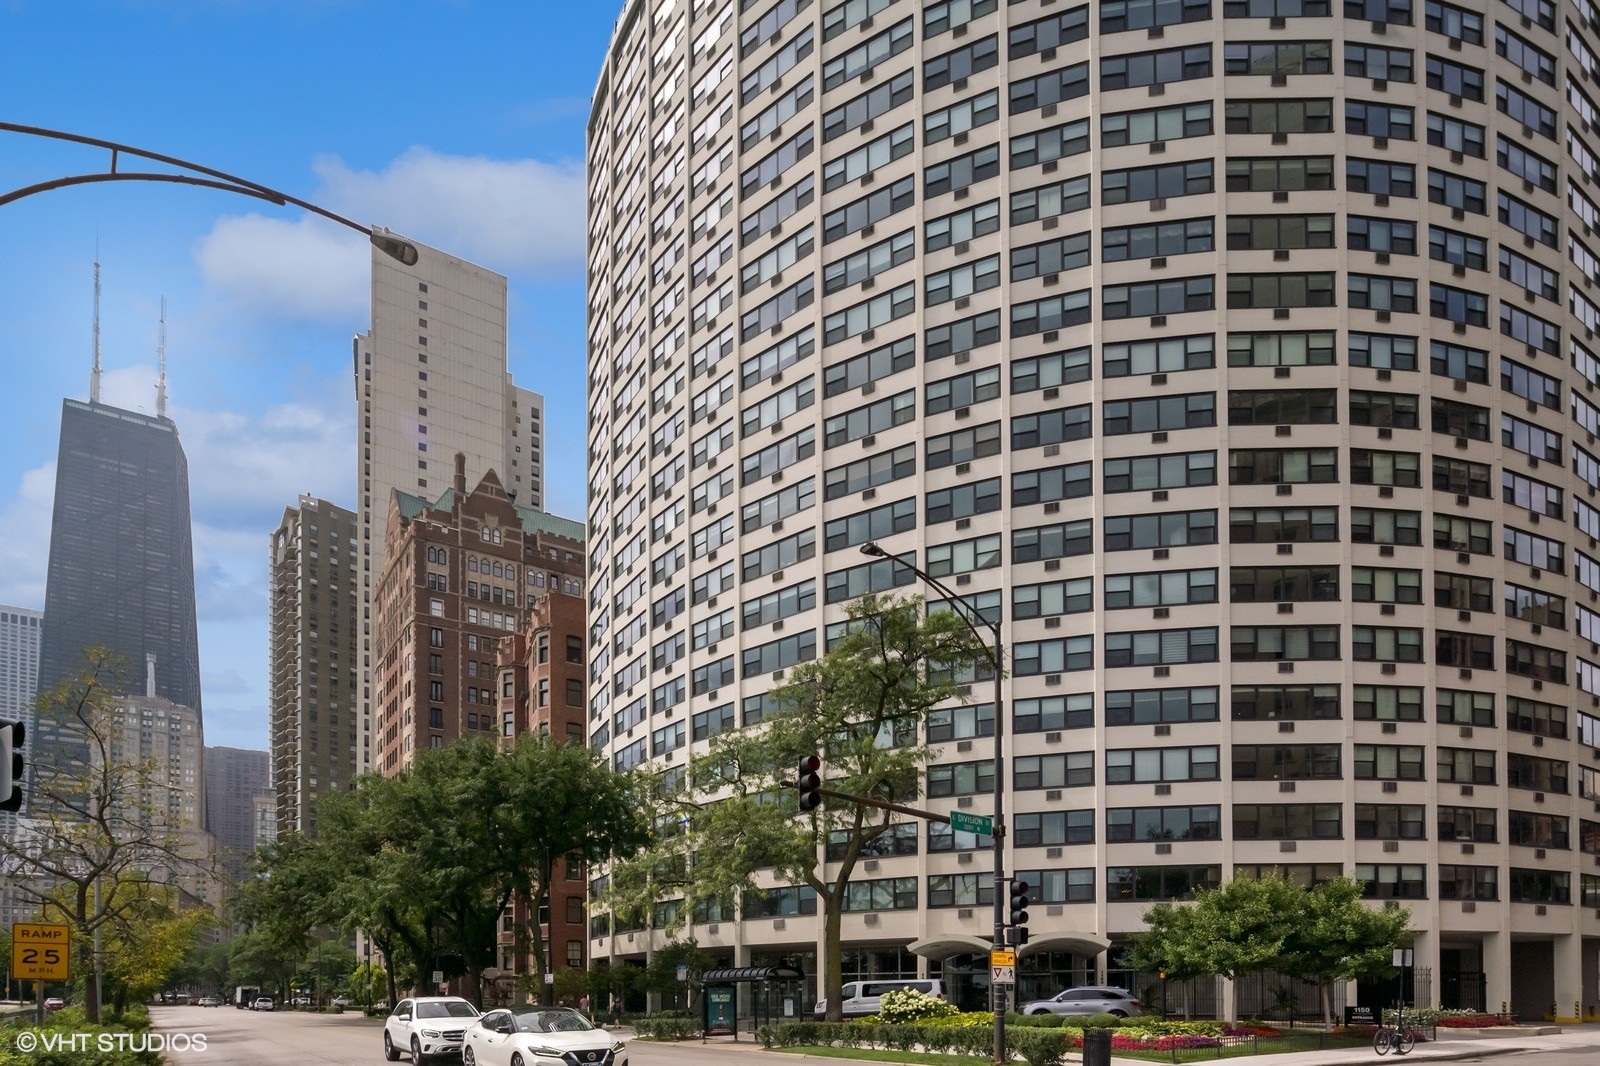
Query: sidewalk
x=1450, y=1046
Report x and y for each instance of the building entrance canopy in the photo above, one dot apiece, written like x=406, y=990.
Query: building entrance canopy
x=942, y=947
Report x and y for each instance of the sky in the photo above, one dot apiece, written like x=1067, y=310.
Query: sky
x=457, y=122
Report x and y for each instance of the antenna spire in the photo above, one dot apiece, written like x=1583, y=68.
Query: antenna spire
x=94, y=374
x=161, y=355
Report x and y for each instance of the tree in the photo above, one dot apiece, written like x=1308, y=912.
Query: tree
x=426, y=862
x=1323, y=934
x=1338, y=937
x=367, y=984
x=100, y=820
x=144, y=951
x=861, y=707
x=1175, y=943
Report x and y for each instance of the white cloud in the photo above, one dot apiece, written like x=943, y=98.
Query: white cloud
x=244, y=468
x=521, y=214
x=25, y=538
x=305, y=268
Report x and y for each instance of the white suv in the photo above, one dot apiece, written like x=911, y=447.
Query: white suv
x=427, y=1026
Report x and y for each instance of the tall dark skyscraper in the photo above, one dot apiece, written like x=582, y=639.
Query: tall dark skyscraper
x=121, y=555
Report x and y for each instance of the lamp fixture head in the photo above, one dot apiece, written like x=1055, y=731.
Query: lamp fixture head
x=870, y=548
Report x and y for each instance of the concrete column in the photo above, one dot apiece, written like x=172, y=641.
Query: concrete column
x=1497, y=971
x=1425, y=956
x=1569, y=977
x=743, y=1003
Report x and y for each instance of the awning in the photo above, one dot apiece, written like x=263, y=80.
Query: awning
x=1077, y=943
x=736, y=974
x=942, y=947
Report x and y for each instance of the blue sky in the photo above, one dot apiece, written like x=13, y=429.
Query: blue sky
x=458, y=123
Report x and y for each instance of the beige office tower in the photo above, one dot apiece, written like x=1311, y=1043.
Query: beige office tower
x=1122, y=319
x=431, y=380
x=315, y=644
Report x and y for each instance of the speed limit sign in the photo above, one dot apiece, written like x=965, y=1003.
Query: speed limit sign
x=39, y=951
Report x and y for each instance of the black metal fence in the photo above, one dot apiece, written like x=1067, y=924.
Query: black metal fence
x=1284, y=1000
x=1193, y=998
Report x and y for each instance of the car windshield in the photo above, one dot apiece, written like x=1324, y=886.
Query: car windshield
x=454, y=1009
x=552, y=1021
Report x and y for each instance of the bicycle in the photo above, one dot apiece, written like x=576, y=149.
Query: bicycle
x=1397, y=1038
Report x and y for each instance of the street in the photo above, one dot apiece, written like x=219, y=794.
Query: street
x=243, y=1038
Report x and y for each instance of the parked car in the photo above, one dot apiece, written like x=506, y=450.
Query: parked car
x=861, y=998
x=427, y=1026
x=341, y=1001
x=54, y=1003
x=556, y=1037
x=1090, y=999
x=211, y=1001
x=300, y=1001
x=262, y=1003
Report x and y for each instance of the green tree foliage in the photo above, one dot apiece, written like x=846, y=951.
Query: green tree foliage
x=99, y=823
x=1338, y=937
x=861, y=707
x=143, y=952
x=426, y=862
x=1323, y=934
x=368, y=984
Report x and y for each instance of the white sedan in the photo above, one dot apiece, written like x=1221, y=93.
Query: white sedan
x=534, y=1037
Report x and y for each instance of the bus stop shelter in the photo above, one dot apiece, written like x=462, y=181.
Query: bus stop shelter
x=770, y=986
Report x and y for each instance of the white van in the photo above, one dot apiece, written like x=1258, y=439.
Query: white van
x=861, y=998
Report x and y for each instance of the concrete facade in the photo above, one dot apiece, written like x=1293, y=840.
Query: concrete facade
x=431, y=381
x=1122, y=318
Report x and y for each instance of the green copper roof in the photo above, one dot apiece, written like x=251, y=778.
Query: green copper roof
x=533, y=521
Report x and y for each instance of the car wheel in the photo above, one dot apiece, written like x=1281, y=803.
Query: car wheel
x=416, y=1052
x=1118, y=1013
x=467, y=1057
x=389, y=1051
x=516, y=1058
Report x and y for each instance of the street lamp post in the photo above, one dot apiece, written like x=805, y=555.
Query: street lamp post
x=205, y=177
x=996, y=652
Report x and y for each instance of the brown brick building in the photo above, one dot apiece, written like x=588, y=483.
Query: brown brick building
x=479, y=631
x=458, y=579
x=542, y=690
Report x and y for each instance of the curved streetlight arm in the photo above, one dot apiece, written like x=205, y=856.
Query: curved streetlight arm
x=401, y=250
x=965, y=615
x=998, y=834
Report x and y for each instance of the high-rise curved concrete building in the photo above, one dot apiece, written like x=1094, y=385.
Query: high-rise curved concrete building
x=1123, y=317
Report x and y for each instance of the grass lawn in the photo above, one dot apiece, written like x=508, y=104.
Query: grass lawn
x=1291, y=1040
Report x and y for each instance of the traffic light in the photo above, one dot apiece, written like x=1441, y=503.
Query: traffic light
x=1019, y=913
x=808, y=779
x=12, y=735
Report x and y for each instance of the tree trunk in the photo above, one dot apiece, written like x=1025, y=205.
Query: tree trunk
x=833, y=965
x=91, y=987
x=1325, y=993
x=537, y=904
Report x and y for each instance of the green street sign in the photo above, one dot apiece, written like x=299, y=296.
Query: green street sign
x=962, y=822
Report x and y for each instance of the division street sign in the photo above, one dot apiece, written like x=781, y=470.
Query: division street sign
x=962, y=822
x=39, y=951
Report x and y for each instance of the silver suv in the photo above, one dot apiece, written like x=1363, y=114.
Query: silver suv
x=1093, y=999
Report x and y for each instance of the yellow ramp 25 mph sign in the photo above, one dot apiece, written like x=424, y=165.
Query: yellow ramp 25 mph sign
x=39, y=951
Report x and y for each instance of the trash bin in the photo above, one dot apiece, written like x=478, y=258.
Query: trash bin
x=1097, y=1047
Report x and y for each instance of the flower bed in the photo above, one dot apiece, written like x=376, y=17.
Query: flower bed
x=1474, y=1021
